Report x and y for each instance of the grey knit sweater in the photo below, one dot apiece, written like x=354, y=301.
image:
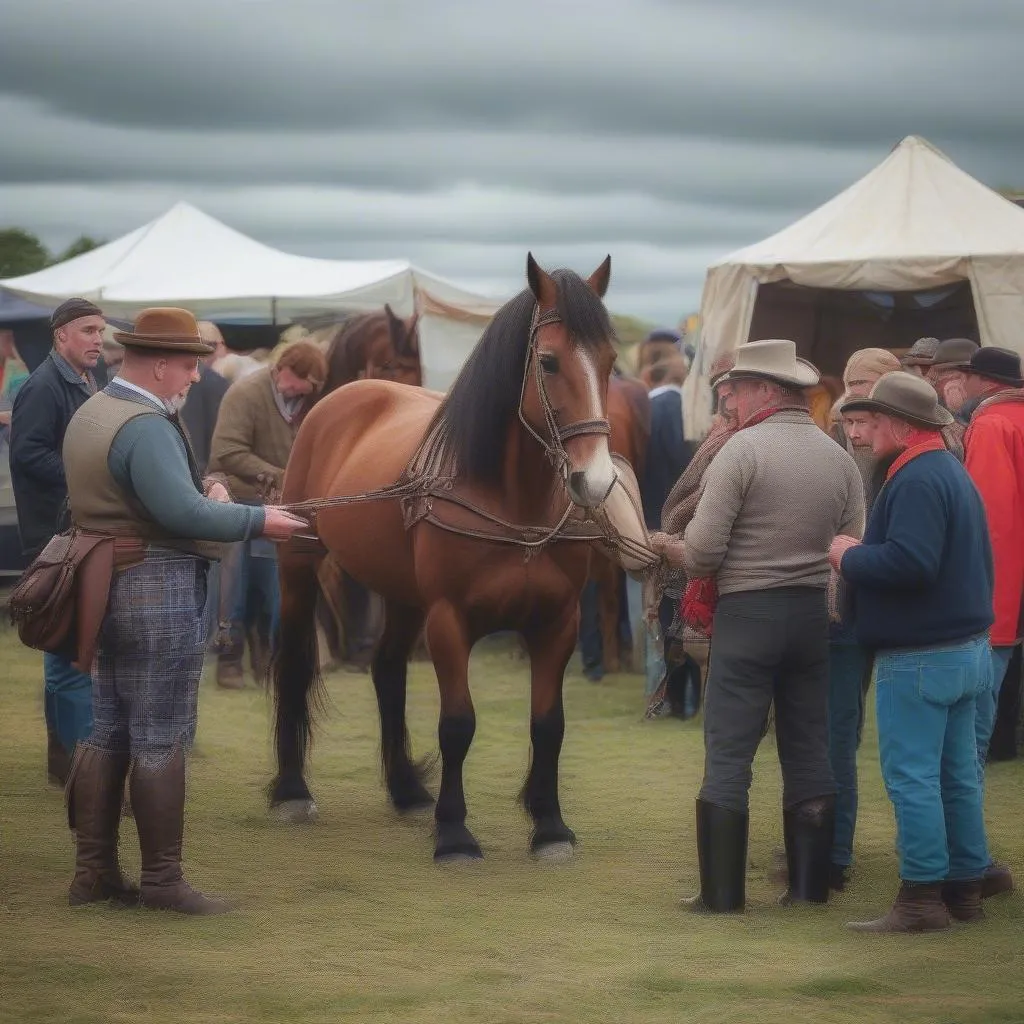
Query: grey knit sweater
x=776, y=495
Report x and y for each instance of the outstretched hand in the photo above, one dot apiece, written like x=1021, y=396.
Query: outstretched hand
x=280, y=525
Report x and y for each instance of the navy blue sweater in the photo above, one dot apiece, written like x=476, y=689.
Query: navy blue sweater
x=923, y=575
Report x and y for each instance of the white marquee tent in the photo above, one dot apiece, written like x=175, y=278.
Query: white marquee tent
x=189, y=259
x=916, y=247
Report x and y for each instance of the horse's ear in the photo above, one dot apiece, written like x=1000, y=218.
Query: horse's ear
x=409, y=341
x=390, y=314
x=598, y=280
x=542, y=284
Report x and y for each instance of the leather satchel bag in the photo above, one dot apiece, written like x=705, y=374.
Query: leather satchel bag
x=48, y=605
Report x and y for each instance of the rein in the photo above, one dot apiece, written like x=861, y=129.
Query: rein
x=422, y=483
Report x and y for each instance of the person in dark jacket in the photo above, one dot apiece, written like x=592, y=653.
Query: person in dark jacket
x=42, y=411
x=667, y=456
x=922, y=583
x=199, y=414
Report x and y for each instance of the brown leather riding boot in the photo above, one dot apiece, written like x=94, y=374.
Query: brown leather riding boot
x=58, y=760
x=997, y=880
x=158, y=797
x=94, y=794
x=230, y=675
x=963, y=899
x=918, y=908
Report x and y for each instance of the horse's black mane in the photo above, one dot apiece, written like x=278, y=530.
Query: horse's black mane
x=470, y=427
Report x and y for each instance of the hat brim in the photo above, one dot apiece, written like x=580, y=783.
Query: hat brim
x=1013, y=382
x=868, y=405
x=805, y=377
x=169, y=343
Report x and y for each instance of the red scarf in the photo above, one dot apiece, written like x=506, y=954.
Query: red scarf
x=921, y=440
x=700, y=598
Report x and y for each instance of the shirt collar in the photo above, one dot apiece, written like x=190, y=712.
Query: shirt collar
x=127, y=385
x=664, y=389
x=70, y=374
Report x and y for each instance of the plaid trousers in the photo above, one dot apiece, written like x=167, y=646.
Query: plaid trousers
x=145, y=682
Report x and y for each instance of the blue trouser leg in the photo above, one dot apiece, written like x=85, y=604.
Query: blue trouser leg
x=264, y=581
x=847, y=665
x=926, y=702
x=988, y=705
x=68, y=696
x=240, y=611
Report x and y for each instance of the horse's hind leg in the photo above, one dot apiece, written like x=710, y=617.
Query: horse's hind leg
x=403, y=778
x=296, y=679
x=448, y=638
x=550, y=646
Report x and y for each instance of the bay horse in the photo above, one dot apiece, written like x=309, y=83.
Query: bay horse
x=520, y=439
x=378, y=345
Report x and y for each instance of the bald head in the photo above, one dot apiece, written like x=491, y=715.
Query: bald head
x=210, y=333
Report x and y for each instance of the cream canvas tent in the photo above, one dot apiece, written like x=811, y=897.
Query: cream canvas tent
x=917, y=247
x=187, y=258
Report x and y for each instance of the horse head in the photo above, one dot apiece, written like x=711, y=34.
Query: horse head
x=402, y=362
x=565, y=385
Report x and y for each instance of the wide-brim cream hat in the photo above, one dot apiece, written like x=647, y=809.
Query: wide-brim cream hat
x=774, y=359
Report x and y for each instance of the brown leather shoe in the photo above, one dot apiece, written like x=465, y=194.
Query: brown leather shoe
x=158, y=797
x=95, y=790
x=918, y=908
x=963, y=899
x=997, y=880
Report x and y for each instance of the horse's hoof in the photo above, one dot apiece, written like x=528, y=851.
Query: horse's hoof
x=554, y=853
x=458, y=857
x=295, y=812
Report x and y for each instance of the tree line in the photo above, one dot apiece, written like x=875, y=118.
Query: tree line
x=21, y=252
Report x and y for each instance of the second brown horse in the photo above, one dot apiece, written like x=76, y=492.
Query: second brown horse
x=521, y=433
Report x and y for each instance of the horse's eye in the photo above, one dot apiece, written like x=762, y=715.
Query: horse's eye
x=549, y=364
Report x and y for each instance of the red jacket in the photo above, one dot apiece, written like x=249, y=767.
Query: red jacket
x=995, y=461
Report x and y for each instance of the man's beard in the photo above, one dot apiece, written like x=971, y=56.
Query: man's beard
x=175, y=404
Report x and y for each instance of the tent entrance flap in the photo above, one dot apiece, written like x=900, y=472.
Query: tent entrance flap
x=829, y=324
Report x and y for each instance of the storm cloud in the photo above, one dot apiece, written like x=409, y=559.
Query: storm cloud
x=459, y=134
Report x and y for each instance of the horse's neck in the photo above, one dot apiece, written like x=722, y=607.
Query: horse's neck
x=530, y=485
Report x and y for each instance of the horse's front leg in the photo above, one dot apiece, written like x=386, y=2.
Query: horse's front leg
x=550, y=647
x=449, y=643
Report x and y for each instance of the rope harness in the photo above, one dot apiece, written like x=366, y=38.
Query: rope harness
x=426, y=480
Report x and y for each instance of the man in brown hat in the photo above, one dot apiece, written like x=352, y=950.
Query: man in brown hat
x=131, y=473
x=922, y=581
x=43, y=408
x=775, y=496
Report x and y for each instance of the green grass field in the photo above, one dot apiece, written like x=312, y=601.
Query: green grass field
x=350, y=920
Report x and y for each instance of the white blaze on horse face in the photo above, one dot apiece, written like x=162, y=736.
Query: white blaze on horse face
x=592, y=478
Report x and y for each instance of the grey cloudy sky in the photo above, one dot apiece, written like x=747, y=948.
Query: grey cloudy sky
x=458, y=134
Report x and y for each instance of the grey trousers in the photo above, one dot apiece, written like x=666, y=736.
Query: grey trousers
x=768, y=645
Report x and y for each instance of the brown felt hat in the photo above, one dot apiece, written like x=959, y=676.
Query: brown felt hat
x=954, y=354
x=166, y=329
x=905, y=397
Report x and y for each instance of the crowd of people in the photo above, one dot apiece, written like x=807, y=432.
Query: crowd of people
x=886, y=548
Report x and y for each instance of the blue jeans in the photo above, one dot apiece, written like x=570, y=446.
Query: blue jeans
x=988, y=705
x=67, y=699
x=257, y=586
x=847, y=666
x=927, y=703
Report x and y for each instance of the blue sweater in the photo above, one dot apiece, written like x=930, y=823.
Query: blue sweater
x=923, y=575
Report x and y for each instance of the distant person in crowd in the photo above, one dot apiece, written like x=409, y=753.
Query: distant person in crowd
x=849, y=664
x=43, y=408
x=256, y=427
x=922, y=581
x=994, y=445
x=13, y=373
x=919, y=356
x=131, y=473
x=199, y=414
x=666, y=458
x=947, y=374
x=776, y=495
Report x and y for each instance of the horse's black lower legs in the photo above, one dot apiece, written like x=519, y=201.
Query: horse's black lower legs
x=390, y=669
x=550, y=650
x=296, y=681
x=448, y=639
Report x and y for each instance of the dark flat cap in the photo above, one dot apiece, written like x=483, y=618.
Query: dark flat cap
x=904, y=396
x=664, y=334
x=998, y=364
x=73, y=309
x=920, y=353
x=955, y=353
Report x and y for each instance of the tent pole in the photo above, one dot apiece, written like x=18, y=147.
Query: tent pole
x=273, y=311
